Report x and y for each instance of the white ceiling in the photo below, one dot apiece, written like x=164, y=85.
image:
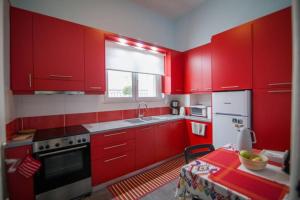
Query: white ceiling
x=170, y=8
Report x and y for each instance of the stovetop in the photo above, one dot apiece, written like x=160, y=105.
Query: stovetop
x=53, y=133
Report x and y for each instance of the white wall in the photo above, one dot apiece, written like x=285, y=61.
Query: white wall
x=38, y=105
x=215, y=16
x=119, y=16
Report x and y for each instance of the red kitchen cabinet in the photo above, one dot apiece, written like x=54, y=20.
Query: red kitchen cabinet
x=145, y=146
x=174, y=73
x=197, y=139
x=198, y=70
x=178, y=137
x=232, y=59
x=163, y=141
x=193, y=82
x=272, y=50
x=18, y=186
x=21, y=51
x=272, y=118
x=58, y=49
x=107, y=169
x=94, y=61
x=206, y=68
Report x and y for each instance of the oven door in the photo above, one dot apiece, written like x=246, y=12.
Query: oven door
x=62, y=167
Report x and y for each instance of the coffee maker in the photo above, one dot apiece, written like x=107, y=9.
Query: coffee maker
x=175, y=107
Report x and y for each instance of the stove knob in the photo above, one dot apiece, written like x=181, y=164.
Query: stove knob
x=47, y=146
x=57, y=144
x=41, y=147
x=70, y=142
x=83, y=140
x=79, y=140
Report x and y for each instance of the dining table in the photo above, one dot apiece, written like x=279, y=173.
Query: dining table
x=220, y=175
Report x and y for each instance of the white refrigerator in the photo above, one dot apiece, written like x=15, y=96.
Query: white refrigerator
x=230, y=111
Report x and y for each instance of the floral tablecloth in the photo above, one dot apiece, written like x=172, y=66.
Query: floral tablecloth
x=195, y=181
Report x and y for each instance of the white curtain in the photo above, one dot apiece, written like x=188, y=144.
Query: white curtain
x=128, y=58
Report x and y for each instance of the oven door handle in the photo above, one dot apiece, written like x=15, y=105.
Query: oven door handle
x=61, y=151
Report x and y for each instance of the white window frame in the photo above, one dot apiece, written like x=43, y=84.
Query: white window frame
x=135, y=97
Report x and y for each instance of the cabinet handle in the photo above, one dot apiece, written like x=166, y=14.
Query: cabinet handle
x=279, y=91
x=193, y=89
x=114, y=134
x=208, y=88
x=96, y=88
x=30, y=80
x=115, y=158
x=59, y=76
x=284, y=83
x=233, y=86
x=115, y=146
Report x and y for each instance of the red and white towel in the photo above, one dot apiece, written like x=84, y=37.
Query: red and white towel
x=29, y=166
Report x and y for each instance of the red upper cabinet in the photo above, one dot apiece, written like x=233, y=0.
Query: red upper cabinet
x=18, y=186
x=198, y=70
x=174, y=70
x=58, y=49
x=94, y=60
x=272, y=118
x=21, y=51
x=193, y=82
x=272, y=50
x=206, y=68
x=232, y=59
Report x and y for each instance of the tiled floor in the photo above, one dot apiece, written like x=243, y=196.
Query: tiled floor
x=166, y=192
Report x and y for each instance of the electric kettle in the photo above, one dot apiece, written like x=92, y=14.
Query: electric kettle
x=244, y=139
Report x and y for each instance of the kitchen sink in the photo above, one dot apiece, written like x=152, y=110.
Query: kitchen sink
x=150, y=118
x=135, y=121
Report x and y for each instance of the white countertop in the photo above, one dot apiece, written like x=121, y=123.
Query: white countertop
x=101, y=127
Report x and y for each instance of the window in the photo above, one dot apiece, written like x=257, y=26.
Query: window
x=132, y=74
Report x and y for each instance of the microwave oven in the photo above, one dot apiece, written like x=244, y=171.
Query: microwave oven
x=201, y=111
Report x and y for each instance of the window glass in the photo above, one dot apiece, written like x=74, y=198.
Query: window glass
x=119, y=84
x=147, y=86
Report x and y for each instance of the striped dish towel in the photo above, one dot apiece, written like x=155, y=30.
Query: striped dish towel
x=29, y=166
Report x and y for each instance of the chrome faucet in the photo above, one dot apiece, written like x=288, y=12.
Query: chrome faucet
x=145, y=109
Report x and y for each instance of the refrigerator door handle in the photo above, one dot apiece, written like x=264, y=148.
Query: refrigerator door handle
x=229, y=114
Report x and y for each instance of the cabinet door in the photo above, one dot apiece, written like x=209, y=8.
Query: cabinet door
x=21, y=50
x=163, y=140
x=206, y=68
x=58, y=54
x=145, y=146
x=197, y=139
x=193, y=72
x=272, y=118
x=272, y=50
x=177, y=73
x=18, y=186
x=94, y=60
x=232, y=59
x=178, y=142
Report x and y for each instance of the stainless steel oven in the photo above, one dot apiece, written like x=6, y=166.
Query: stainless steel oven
x=66, y=170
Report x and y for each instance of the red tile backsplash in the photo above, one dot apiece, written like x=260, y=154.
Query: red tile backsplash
x=12, y=128
x=128, y=114
x=80, y=118
x=110, y=115
x=43, y=122
x=54, y=121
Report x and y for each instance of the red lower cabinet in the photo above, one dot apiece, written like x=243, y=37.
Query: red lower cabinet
x=178, y=138
x=163, y=141
x=197, y=139
x=19, y=187
x=107, y=169
x=272, y=118
x=145, y=146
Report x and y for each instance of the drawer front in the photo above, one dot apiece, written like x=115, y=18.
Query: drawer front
x=108, y=151
x=107, y=169
x=114, y=137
